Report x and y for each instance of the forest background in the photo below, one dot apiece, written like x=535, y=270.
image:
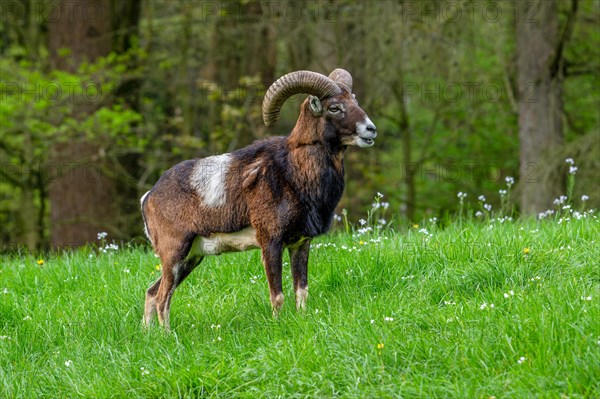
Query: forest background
x=99, y=97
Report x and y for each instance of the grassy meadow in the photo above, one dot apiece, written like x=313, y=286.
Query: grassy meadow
x=476, y=309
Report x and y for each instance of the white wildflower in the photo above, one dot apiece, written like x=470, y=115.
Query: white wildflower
x=362, y=222
x=388, y=319
x=560, y=200
x=570, y=161
x=68, y=363
x=487, y=207
x=509, y=181
x=478, y=214
x=584, y=198
x=545, y=214
x=521, y=359
x=364, y=230
x=461, y=195
x=102, y=235
x=572, y=170
x=481, y=198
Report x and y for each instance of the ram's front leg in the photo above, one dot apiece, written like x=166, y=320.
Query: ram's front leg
x=271, y=257
x=299, y=263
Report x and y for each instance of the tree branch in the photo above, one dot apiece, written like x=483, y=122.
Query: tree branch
x=557, y=62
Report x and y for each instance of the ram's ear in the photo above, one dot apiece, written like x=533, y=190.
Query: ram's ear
x=316, y=108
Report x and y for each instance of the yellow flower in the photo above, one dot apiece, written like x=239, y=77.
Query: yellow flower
x=526, y=250
x=361, y=242
x=380, y=346
x=157, y=267
x=40, y=262
x=415, y=226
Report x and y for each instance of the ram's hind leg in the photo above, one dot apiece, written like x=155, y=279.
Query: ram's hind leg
x=271, y=257
x=150, y=305
x=171, y=278
x=299, y=264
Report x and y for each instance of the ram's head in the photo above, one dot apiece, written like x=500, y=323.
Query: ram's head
x=339, y=118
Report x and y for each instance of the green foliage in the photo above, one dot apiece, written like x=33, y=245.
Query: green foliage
x=192, y=81
x=41, y=109
x=477, y=309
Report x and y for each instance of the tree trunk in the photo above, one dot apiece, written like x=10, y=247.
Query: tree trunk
x=240, y=48
x=540, y=105
x=125, y=24
x=28, y=208
x=81, y=196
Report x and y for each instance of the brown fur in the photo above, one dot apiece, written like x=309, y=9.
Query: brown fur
x=285, y=188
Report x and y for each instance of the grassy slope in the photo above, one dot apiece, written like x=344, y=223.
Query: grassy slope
x=71, y=328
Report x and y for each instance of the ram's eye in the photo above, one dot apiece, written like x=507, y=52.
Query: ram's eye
x=334, y=109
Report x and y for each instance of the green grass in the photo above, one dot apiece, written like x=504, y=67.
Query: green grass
x=71, y=328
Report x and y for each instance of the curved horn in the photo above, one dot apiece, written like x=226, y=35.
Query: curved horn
x=343, y=77
x=293, y=83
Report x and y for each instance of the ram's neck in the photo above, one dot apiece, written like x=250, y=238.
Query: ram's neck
x=316, y=162
x=307, y=144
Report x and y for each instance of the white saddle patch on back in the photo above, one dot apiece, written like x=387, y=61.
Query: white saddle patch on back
x=208, y=178
x=224, y=242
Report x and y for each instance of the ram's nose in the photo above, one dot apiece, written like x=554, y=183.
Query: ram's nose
x=366, y=129
x=372, y=129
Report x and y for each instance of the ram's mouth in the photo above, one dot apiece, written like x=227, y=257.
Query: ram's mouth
x=363, y=141
x=365, y=133
x=369, y=142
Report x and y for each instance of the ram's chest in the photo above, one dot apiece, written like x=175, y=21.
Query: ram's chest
x=219, y=243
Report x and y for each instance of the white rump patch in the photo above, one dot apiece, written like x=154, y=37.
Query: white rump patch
x=224, y=242
x=208, y=178
x=143, y=198
x=144, y=216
